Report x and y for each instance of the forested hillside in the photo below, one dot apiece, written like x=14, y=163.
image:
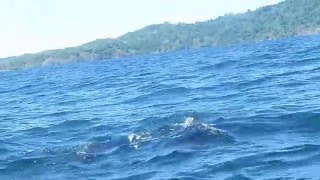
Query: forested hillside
x=286, y=19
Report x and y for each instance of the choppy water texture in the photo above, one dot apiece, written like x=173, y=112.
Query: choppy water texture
x=241, y=112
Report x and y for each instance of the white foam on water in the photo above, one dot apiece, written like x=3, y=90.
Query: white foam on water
x=190, y=122
x=135, y=139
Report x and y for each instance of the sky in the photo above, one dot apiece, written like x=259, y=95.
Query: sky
x=29, y=26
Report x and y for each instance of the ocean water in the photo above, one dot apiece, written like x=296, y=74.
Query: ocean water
x=241, y=112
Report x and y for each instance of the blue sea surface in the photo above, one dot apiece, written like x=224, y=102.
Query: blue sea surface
x=248, y=111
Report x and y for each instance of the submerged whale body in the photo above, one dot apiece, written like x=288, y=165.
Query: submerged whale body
x=188, y=132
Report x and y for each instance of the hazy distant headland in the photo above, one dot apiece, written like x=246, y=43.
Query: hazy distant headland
x=286, y=19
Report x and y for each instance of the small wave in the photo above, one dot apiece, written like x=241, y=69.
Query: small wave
x=306, y=61
x=220, y=65
x=3, y=150
x=28, y=86
x=272, y=123
x=85, y=84
x=103, y=138
x=59, y=114
x=294, y=84
x=253, y=128
x=257, y=81
x=295, y=151
x=72, y=124
x=159, y=95
x=301, y=121
x=268, y=161
x=238, y=177
x=36, y=131
x=146, y=175
x=100, y=128
x=68, y=102
x=171, y=158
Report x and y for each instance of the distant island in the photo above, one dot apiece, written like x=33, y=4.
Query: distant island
x=285, y=19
